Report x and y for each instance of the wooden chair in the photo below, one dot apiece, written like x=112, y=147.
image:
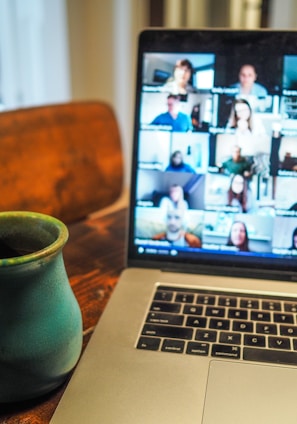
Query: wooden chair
x=64, y=160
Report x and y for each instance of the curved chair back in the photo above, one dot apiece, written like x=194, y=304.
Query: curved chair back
x=64, y=160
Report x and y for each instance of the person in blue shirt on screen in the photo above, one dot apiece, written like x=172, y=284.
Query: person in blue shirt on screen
x=247, y=84
x=178, y=121
x=177, y=163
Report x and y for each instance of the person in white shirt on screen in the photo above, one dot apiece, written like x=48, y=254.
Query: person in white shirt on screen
x=244, y=121
x=179, y=83
x=175, y=200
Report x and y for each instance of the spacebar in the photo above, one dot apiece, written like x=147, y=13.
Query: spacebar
x=269, y=355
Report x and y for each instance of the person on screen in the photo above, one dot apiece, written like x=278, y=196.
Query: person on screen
x=197, y=122
x=179, y=83
x=175, y=199
x=237, y=164
x=247, y=84
x=242, y=119
x=178, y=121
x=195, y=117
x=175, y=233
x=177, y=163
x=241, y=116
x=294, y=240
x=238, y=236
x=237, y=193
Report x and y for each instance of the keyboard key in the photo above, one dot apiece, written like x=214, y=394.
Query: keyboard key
x=230, y=338
x=238, y=314
x=279, y=343
x=171, y=319
x=260, y=316
x=193, y=310
x=266, y=328
x=173, y=346
x=167, y=331
x=184, y=298
x=166, y=296
x=269, y=355
x=166, y=307
x=243, y=326
x=219, y=324
x=196, y=348
x=148, y=343
x=271, y=305
x=249, y=303
x=196, y=322
x=225, y=351
x=215, y=312
x=206, y=299
x=291, y=307
x=287, y=330
x=254, y=340
x=206, y=335
x=283, y=318
x=228, y=301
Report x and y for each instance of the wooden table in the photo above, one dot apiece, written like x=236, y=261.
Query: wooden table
x=94, y=257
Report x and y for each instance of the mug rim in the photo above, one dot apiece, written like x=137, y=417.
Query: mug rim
x=45, y=252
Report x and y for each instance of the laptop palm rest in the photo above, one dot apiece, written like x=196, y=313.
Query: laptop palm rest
x=250, y=393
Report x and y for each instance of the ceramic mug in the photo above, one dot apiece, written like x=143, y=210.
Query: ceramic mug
x=40, y=320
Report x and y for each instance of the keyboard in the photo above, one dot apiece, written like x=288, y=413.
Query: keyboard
x=221, y=325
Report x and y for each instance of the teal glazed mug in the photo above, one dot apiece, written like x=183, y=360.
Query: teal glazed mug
x=40, y=319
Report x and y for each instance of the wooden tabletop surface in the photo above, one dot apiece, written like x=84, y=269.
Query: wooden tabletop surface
x=94, y=257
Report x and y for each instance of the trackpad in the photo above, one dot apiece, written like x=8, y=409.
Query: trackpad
x=250, y=393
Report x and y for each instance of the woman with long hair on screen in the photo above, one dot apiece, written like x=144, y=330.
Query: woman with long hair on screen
x=241, y=116
x=237, y=193
x=238, y=236
x=243, y=120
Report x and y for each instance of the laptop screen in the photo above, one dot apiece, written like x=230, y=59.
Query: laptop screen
x=214, y=179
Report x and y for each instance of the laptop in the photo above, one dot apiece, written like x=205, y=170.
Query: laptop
x=201, y=327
